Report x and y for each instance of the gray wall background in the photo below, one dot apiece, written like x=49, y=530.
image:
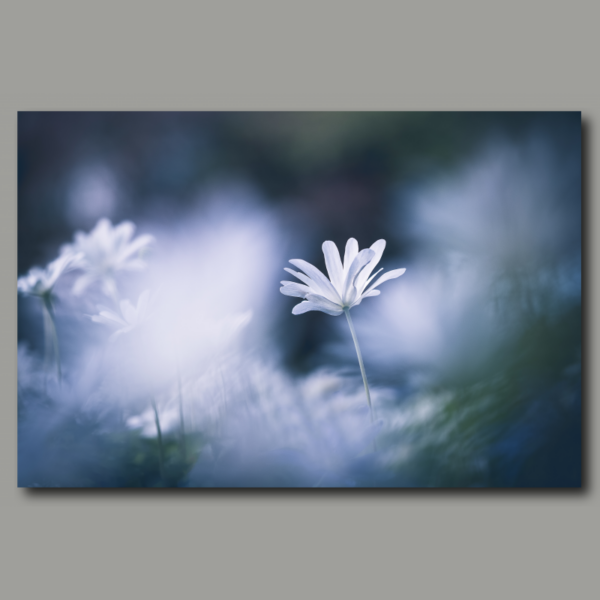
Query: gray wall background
x=267, y=55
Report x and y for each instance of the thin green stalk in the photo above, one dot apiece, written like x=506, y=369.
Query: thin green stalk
x=360, y=361
x=181, y=422
x=161, y=458
x=50, y=336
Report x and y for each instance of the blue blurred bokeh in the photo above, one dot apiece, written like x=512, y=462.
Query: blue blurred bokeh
x=473, y=356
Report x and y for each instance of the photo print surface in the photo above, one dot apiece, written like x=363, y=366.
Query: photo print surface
x=299, y=299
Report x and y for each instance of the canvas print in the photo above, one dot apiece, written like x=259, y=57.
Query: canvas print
x=299, y=299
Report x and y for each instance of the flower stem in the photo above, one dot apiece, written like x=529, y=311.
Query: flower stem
x=181, y=421
x=360, y=361
x=50, y=336
x=161, y=458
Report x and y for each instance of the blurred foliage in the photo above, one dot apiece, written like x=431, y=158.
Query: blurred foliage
x=516, y=422
x=81, y=452
x=308, y=160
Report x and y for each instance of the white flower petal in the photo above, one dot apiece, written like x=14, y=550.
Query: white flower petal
x=360, y=298
x=321, y=282
x=137, y=244
x=371, y=293
x=324, y=303
x=306, y=306
x=82, y=283
x=350, y=253
x=372, y=277
x=302, y=277
x=56, y=268
x=303, y=307
x=351, y=296
x=389, y=275
x=100, y=231
x=109, y=287
x=100, y=319
x=22, y=285
x=107, y=317
x=361, y=280
x=122, y=233
x=132, y=264
x=295, y=289
x=104, y=251
x=334, y=265
x=362, y=258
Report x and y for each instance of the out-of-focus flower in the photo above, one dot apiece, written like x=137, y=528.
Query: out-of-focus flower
x=130, y=317
x=39, y=282
x=105, y=251
x=347, y=283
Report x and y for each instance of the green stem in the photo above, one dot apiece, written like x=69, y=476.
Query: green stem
x=161, y=458
x=360, y=361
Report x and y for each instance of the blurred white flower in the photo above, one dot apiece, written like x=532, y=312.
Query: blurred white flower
x=104, y=251
x=130, y=317
x=39, y=282
x=347, y=283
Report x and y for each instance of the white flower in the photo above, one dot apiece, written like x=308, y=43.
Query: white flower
x=130, y=317
x=39, y=282
x=104, y=251
x=347, y=283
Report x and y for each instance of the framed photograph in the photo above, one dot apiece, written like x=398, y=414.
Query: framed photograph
x=299, y=299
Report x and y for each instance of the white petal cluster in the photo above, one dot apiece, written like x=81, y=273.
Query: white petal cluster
x=104, y=251
x=130, y=317
x=348, y=283
x=39, y=282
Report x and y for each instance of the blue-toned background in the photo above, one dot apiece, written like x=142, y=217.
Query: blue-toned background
x=473, y=356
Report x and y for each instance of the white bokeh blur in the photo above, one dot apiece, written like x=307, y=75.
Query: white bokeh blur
x=497, y=243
